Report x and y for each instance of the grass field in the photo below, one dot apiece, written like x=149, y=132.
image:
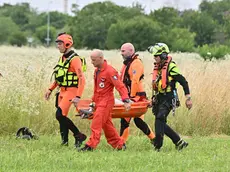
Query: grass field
x=27, y=72
x=26, y=76
x=203, y=154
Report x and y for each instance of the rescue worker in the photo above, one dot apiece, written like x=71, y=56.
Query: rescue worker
x=105, y=79
x=70, y=79
x=165, y=76
x=132, y=75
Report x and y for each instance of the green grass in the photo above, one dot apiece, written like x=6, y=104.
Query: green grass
x=45, y=154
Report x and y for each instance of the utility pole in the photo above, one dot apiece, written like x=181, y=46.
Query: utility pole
x=48, y=30
x=65, y=6
x=48, y=26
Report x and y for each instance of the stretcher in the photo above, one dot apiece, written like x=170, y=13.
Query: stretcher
x=118, y=111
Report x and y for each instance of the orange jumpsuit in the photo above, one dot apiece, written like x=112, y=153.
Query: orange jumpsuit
x=132, y=74
x=68, y=93
x=105, y=79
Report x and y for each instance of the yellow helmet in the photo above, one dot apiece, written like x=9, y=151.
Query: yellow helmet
x=158, y=49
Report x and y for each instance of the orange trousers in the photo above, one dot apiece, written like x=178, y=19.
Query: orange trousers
x=102, y=119
x=64, y=99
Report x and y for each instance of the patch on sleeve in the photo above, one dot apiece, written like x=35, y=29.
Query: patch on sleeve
x=115, y=77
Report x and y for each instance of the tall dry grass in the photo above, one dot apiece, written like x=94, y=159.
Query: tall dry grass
x=27, y=71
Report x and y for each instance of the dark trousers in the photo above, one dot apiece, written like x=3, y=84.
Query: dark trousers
x=140, y=123
x=65, y=125
x=161, y=110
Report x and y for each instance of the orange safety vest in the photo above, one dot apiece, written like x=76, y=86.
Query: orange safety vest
x=163, y=74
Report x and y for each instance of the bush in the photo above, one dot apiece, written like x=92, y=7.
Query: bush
x=18, y=39
x=179, y=39
x=217, y=51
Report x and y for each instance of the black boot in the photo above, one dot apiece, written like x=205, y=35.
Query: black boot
x=86, y=148
x=64, y=137
x=181, y=145
x=79, y=139
x=123, y=148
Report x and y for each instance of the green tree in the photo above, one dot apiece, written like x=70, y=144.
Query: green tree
x=202, y=24
x=167, y=16
x=18, y=38
x=57, y=19
x=41, y=33
x=90, y=25
x=216, y=9
x=19, y=13
x=35, y=21
x=226, y=26
x=7, y=28
x=179, y=39
x=188, y=17
x=141, y=31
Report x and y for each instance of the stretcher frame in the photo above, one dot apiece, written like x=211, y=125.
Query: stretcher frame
x=118, y=111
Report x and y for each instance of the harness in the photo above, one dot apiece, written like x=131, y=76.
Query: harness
x=161, y=73
x=126, y=77
x=65, y=78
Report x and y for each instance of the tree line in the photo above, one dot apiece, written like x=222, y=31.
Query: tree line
x=106, y=25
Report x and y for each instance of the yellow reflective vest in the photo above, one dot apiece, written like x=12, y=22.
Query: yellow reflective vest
x=65, y=78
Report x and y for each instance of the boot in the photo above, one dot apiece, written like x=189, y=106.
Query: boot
x=181, y=145
x=123, y=148
x=64, y=137
x=86, y=148
x=79, y=138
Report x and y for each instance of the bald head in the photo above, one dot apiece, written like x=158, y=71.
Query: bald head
x=97, y=58
x=127, y=50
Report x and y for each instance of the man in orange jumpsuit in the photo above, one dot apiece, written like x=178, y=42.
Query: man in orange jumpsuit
x=70, y=78
x=105, y=79
x=132, y=75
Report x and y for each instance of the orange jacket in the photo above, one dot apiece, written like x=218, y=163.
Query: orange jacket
x=105, y=79
x=135, y=74
x=76, y=67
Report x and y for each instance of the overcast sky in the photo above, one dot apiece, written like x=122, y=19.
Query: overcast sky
x=43, y=5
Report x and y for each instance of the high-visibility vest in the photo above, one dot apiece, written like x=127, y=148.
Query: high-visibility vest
x=65, y=78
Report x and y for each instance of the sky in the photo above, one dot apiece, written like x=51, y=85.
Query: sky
x=58, y=5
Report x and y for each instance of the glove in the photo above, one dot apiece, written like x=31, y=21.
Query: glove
x=85, y=114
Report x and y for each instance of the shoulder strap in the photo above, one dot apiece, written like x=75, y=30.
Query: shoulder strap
x=126, y=74
x=69, y=58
